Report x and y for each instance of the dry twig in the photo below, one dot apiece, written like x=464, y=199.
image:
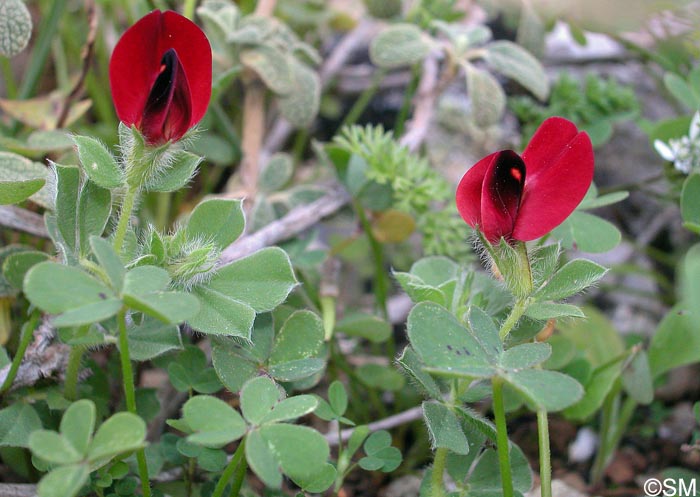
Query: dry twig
x=87, y=56
x=23, y=220
x=42, y=359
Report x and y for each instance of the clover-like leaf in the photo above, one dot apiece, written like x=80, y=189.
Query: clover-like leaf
x=214, y=422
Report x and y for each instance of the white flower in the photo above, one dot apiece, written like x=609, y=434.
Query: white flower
x=684, y=151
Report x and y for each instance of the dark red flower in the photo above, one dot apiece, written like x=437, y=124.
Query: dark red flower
x=160, y=73
x=526, y=197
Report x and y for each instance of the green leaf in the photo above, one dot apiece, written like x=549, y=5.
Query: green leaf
x=215, y=422
x=262, y=280
x=444, y=344
x=153, y=338
x=17, y=422
x=143, y=280
x=86, y=293
x=435, y=270
x=485, y=331
x=587, y=233
x=381, y=456
x=563, y=352
x=676, y=341
x=548, y=310
x=53, y=448
x=548, y=390
x=690, y=207
x=67, y=194
x=190, y=371
x=296, y=370
x=300, y=106
x=574, y=277
x=444, y=428
x=218, y=220
x=16, y=266
x=594, y=336
x=412, y=364
x=65, y=481
x=220, y=314
x=232, y=369
x=290, y=409
x=486, y=95
x=637, y=379
x=360, y=324
x=679, y=88
x=399, y=45
x=525, y=355
x=301, y=337
x=169, y=307
x=418, y=291
x=15, y=27
x=338, y=397
x=99, y=165
x=301, y=452
x=276, y=173
x=517, y=63
x=87, y=314
x=273, y=67
x=109, y=260
x=485, y=479
x=19, y=177
x=596, y=389
x=94, y=209
x=258, y=397
x=121, y=433
x=320, y=482
x=177, y=175
x=262, y=460
x=381, y=377
x=78, y=423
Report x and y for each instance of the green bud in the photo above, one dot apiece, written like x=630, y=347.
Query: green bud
x=512, y=264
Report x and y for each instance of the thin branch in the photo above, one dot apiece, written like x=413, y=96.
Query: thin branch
x=424, y=105
x=399, y=419
x=87, y=56
x=23, y=220
x=253, y=121
x=17, y=490
x=297, y=220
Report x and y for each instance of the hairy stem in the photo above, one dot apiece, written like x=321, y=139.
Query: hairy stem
x=502, y=444
x=545, y=456
x=436, y=481
x=25, y=338
x=516, y=313
x=236, y=461
x=130, y=396
x=75, y=359
x=124, y=217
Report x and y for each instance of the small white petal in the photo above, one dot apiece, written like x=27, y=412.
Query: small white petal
x=664, y=150
x=694, y=131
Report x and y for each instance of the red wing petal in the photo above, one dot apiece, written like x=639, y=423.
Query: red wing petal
x=548, y=142
x=552, y=195
x=500, y=195
x=134, y=66
x=468, y=195
x=194, y=52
